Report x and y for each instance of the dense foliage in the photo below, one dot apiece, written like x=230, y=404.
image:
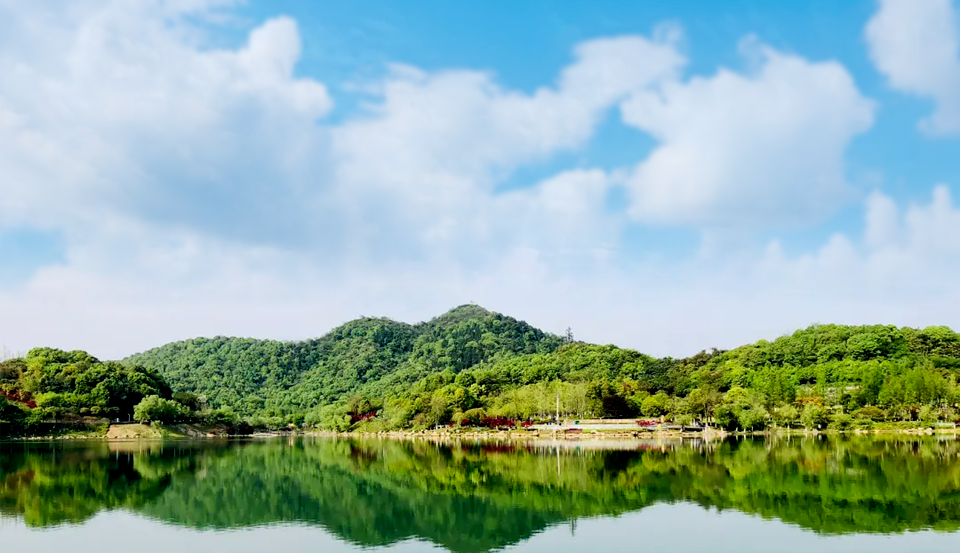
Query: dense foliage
x=824, y=376
x=55, y=384
x=262, y=378
x=473, y=367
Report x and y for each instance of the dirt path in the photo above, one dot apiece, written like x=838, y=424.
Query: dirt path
x=132, y=432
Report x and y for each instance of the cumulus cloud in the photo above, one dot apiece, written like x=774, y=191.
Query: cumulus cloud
x=459, y=127
x=432, y=147
x=747, y=150
x=119, y=109
x=916, y=45
x=200, y=191
x=185, y=286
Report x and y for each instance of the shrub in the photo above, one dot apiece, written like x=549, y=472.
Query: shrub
x=472, y=417
x=726, y=417
x=11, y=413
x=870, y=412
x=498, y=422
x=225, y=417
x=157, y=409
x=862, y=423
x=786, y=416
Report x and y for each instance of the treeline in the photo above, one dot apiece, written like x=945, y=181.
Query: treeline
x=824, y=376
x=473, y=367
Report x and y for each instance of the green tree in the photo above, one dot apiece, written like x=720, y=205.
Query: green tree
x=656, y=405
x=157, y=409
x=814, y=417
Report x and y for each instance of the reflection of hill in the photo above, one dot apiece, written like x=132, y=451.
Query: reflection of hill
x=343, y=487
x=71, y=485
x=476, y=498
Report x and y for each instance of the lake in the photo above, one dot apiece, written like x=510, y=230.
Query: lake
x=855, y=493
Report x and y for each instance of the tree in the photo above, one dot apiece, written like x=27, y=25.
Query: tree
x=814, y=417
x=656, y=405
x=701, y=402
x=11, y=413
x=753, y=417
x=157, y=409
x=190, y=400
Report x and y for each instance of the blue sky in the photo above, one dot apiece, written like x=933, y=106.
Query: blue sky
x=667, y=176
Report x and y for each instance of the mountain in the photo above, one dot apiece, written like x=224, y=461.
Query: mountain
x=278, y=378
x=472, y=366
x=826, y=375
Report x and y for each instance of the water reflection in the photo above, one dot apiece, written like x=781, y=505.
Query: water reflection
x=471, y=497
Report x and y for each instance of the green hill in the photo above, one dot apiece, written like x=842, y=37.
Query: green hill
x=475, y=367
x=270, y=378
x=825, y=375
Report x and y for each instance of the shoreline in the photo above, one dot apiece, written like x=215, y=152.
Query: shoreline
x=185, y=432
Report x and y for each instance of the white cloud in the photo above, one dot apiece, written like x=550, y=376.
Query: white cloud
x=120, y=109
x=182, y=286
x=741, y=151
x=199, y=195
x=916, y=45
x=458, y=128
x=434, y=146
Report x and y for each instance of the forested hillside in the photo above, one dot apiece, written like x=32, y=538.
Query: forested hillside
x=473, y=367
x=823, y=376
x=284, y=379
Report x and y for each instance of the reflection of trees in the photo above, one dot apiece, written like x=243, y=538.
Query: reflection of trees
x=71, y=485
x=480, y=497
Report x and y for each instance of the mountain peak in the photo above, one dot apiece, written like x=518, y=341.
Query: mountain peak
x=461, y=313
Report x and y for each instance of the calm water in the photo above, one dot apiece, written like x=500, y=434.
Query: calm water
x=850, y=494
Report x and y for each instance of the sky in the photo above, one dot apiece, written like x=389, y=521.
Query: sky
x=664, y=176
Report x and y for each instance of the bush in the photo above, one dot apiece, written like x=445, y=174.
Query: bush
x=11, y=413
x=928, y=414
x=220, y=417
x=472, y=417
x=870, y=412
x=786, y=416
x=272, y=424
x=329, y=417
x=727, y=417
x=862, y=423
x=157, y=409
